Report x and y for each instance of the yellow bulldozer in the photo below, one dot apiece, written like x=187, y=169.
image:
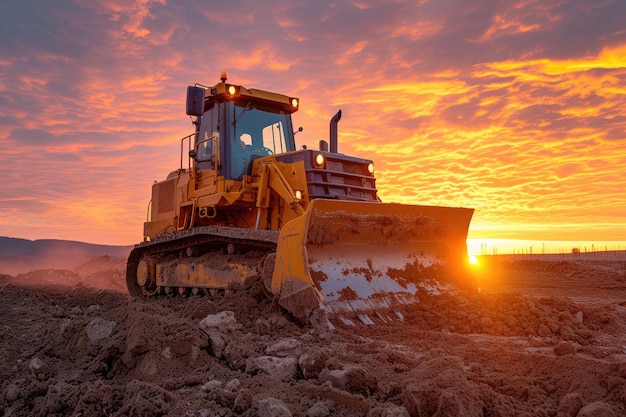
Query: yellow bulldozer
x=246, y=204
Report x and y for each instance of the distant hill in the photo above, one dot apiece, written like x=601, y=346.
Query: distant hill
x=23, y=255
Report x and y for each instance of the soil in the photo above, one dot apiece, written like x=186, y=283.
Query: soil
x=543, y=338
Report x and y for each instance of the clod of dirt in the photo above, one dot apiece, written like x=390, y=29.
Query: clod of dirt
x=570, y=405
x=313, y=362
x=243, y=401
x=440, y=387
x=352, y=378
x=565, y=348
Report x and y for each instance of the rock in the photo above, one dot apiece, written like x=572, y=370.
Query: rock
x=598, y=409
x=211, y=385
x=236, y=356
x=570, y=405
x=75, y=311
x=167, y=353
x=579, y=317
x=284, y=369
x=313, y=362
x=93, y=308
x=217, y=343
x=12, y=392
x=40, y=369
x=285, y=347
x=272, y=407
x=389, y=410
x=232, y=385
x=223, y=321
x=320, y=409
x=98, y=329
x=352, y=378
x=35, y=364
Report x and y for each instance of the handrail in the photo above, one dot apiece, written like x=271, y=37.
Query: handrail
x=182, y=144
x=215, y=139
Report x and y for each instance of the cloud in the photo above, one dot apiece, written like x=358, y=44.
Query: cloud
x=514, y=108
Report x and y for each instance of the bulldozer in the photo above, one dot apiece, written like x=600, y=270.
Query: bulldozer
x=245, y=204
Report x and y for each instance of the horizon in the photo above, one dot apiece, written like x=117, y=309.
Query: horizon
x=540, y=247
x=478, y=246
x=516, y=109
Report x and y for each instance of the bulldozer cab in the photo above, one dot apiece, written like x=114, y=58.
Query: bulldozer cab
x=237, y=125
x=255, y=132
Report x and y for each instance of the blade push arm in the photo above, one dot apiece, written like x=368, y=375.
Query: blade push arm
x=273, y=180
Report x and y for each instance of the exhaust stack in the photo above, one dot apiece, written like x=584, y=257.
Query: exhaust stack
x=333, y=131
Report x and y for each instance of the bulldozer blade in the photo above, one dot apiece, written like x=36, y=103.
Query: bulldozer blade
x=345, y=261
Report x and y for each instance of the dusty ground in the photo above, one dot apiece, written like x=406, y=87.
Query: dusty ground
x=543, y=339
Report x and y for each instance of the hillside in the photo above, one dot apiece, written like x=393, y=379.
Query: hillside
x=23, y=255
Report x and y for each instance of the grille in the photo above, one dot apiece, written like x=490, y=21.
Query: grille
x=165, y=196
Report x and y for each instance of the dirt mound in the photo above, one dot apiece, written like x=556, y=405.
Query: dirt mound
x=101, y=272
x=88, y=351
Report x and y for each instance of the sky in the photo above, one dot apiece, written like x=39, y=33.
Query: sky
x=516, y=108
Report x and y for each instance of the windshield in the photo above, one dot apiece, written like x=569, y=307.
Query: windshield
x=255, y=133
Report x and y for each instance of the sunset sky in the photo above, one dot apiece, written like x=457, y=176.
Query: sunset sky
x=515, y=108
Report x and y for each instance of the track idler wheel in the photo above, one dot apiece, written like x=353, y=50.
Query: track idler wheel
x=146, y=277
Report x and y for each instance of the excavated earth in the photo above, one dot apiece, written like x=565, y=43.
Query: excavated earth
x=544, y=338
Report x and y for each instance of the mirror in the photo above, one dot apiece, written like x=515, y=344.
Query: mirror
x=195, y=101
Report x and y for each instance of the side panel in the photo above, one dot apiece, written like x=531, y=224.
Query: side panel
x=167, y=197
x=163, y=199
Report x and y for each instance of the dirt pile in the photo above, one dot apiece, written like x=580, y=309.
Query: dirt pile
x=76, y=350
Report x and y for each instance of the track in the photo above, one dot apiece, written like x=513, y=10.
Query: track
x=205, y=259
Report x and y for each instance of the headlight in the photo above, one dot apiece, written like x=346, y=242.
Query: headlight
x=319, y=160
x=232, y=90
x=370, y=168
x=294, y=103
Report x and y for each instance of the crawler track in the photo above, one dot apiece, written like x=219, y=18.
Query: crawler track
x=180, y=263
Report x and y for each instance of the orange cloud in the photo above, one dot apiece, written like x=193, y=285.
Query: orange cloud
x=516, y=109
